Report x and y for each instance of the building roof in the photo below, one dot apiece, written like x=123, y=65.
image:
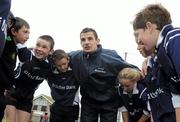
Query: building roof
x=48, y=98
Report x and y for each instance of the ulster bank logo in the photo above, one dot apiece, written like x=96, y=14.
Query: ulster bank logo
x=100, y=70
x=155, y=94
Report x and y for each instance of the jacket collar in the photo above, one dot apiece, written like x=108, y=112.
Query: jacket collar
x=163, y=33
x=94, y=53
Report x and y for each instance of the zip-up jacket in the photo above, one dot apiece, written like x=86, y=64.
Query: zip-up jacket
x=168, y=56
x=135, y=102
x=97, y=72
x=29, y=74
x=159, y=94
x=63, y=87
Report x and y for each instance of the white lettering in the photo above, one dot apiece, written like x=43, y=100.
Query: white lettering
x=155, y=94
x=67, y=87
x=33, y=77
x=100, y=70
x=58, y=86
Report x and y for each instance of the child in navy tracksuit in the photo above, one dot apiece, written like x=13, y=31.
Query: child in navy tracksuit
x=133, y=94
x=159, y=94
x=18, y=32
x=33, y=69
x=64, y=90
x=156, y=37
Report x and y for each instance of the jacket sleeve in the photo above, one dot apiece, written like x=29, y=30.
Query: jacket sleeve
x=123, y=63
x=24, y=53
x=174, y=53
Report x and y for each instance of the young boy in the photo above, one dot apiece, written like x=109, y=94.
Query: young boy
x=133, y=95
x=18, y=32
x=156, y=37
x=64, y=90
x=33, y=69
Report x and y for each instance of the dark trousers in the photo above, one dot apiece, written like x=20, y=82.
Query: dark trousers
x=2, y=106
x=168, y=117
x=91, y=113
x=64, y=113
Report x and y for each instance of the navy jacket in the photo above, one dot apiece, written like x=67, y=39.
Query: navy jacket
x=168, y=56
x=136, y=102
x=97, y=74
x=29, y=74
x=159, y=94
x=63, y=87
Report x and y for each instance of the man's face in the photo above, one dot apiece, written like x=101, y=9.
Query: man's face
x=89, y=42
x=145, y=43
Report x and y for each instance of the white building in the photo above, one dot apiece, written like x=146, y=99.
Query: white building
x=41, y=105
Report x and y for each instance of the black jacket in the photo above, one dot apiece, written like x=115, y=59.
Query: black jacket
x=7, y=64
x=29, y=74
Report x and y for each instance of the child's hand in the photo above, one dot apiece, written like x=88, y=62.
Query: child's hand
x=144, y=68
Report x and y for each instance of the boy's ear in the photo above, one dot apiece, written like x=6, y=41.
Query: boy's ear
x=51, y=52
x=68, y=59
x=98, y=41
x=13, y=31
x=148, y=25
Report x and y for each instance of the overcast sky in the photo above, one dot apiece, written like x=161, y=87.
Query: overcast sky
x=64, y=19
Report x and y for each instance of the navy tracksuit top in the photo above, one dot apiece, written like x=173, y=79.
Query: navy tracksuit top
x=136, y=102
x=63, y=87
x=30, y=74
x=168, y=56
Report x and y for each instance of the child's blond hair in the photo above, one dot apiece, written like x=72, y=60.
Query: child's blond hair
x=129, y=73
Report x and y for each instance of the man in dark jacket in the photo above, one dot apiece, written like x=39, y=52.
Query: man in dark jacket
x=96, y=69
